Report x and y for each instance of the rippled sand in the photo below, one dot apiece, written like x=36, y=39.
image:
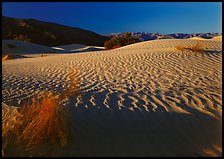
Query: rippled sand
x=145, y=99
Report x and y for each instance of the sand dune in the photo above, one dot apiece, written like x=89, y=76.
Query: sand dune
x=10, y=57
x=145, y=99
x=69, y=47
x=24, y=48
x=20, y=49
x=218, y=38
x=197, y=38
x=73, y=48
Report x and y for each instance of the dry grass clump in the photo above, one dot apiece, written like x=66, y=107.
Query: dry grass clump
x=195, y=48
x=5, y=57
x=180, y=48
x=45, y=120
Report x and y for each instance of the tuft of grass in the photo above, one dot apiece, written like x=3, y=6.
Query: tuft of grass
x=5, y=57
x=180, y=48
x=43, y=55
x=195, y=48
x=45, y=120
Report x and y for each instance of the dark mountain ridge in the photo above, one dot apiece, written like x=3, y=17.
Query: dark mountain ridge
x=47, y=33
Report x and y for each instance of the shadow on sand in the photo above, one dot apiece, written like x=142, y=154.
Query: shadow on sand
x=107, y=132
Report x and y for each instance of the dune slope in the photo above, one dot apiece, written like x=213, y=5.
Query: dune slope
x=21, y=47
x=145, y=99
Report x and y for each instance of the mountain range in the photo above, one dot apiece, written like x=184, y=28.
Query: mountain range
x=144, y=36
x=46, y=33
x=52, y=34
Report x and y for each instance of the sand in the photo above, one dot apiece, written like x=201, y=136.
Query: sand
x=218, y=38
x=24, y=48
x=145, y=99
x=73, y=48
x=30, y=50
x=197, y=38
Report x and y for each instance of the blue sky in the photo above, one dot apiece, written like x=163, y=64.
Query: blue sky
x=108, y=17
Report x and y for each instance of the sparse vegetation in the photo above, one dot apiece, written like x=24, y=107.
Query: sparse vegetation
x=43, y=120
x=117, y=42
x=195, y=48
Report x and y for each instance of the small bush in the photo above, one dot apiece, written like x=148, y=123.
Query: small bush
x=195, y=48
x=4, y=57
x=45, y=120
x=42, y=120
x=117, y=41
x=116, y=46
x=180, y=48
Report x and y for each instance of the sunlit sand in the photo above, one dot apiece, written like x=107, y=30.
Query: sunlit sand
x=144, y=99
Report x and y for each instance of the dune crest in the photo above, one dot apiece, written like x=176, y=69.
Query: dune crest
x=144, y=99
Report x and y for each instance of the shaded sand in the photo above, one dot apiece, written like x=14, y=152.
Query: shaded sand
x=145, y=99
x=69, y=47
x=10, y=57
x=73, y=48
x=22, y=47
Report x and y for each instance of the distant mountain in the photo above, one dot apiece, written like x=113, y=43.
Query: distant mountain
x=46, y=33
x=144, y=36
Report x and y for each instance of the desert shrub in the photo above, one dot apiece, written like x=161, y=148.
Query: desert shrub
x=195, y=48
x=116, y=46
x=11, y=46
x=117, y=41
x=4, y=57
x=45, y=120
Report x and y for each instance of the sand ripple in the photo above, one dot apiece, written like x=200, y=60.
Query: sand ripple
x=149, y=77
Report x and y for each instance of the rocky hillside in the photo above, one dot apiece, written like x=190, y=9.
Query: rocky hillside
x=144, y=36
x=45, y=33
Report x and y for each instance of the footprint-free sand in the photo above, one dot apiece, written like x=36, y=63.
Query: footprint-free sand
x=144, y=99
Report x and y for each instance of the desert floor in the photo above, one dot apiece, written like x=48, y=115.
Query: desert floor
x=145, y=99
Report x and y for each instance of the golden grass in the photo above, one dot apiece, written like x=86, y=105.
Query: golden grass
x=44, y=119
x=195, y=48
x=180, y=48
x=5, y=57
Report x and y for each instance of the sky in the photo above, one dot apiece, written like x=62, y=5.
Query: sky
x=112, y=17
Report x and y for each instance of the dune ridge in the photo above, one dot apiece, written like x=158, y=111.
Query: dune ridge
x=143, y=86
